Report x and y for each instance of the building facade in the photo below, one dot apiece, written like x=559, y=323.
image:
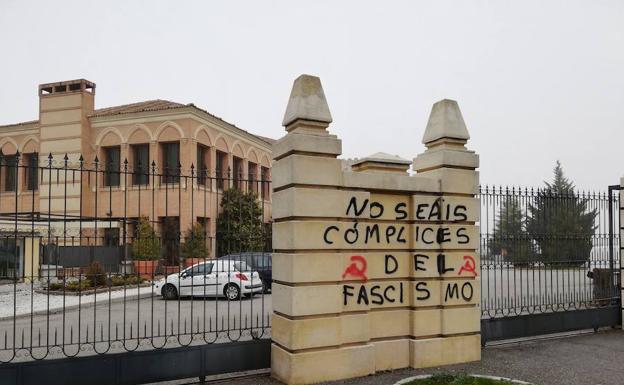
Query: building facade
x=159, y=159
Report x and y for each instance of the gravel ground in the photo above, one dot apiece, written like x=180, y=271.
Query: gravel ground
x=27, y=301
x=587, y=359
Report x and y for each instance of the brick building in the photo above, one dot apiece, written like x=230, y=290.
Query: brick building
x=161, y=141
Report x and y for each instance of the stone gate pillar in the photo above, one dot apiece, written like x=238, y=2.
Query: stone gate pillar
x=454, y=325
x=373, y=269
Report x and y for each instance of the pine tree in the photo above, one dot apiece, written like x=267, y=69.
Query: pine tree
x=561, y=224
x=510, y=239
x=239, y=226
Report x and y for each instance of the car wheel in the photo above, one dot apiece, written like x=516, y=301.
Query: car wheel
x=231, y=292
x=169, y=291
x=266, y=287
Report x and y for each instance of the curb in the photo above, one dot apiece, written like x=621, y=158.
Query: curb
x=72, y=307
x=425, y=376
x=99, y=290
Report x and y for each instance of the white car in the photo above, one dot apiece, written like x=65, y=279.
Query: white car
x=212, y=278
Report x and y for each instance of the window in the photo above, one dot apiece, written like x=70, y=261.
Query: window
x=205, y=223
x=264, y=176
x=170, y=235
x=140, y=153
x=10, y=172
x=262, y=261
x=225, y=266
x=9, y=265
x=111, y=166
x=32, y=171
x=171, y=162
x=202, y=164
x=251, y=182
x=111, y=236
x=200, y=269
x=221, y=169
x=238, y=173
x=241, y=266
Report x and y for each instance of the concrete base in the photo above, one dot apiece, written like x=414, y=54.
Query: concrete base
x=442, y=351
x=332, y=364
x=322, y=365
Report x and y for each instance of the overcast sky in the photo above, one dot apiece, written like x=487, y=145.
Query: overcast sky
x=536, y=81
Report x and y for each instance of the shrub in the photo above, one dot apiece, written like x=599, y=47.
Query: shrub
x=117, y=281
x=96, y=274
x=194, y=245
x=84, y=284
x=127, y=280
x=55, y=286
x=146, y=246
x=134, y=280
x=239, y=226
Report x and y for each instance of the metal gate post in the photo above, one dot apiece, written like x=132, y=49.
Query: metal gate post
x=611, y=235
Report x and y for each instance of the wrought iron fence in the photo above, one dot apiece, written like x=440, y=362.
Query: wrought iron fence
x=544, y=250
x=101, y=258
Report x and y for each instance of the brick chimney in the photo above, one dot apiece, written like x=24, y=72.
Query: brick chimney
x=64, y=108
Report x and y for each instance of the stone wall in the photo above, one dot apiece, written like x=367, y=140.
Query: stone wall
x=374, y=269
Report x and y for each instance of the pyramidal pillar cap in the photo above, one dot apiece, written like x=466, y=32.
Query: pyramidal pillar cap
x=307, y=104
x=382, y=162
x=445, y=122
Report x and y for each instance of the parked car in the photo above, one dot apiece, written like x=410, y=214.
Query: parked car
x=213, y=278
x=258, y=261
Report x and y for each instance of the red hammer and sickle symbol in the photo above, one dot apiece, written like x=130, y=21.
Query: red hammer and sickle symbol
x=357, y=268
x=470, y=265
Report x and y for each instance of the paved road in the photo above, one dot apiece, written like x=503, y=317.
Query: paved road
x=147, y=320
x=512, y=290
x=590, y=359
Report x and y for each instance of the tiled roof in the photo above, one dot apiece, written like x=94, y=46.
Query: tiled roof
x=146, y=106
x=20, y=124
x=149, y=105
x=268, y=140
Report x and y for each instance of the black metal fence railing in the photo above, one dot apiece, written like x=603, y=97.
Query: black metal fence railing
x=98, y=259
x=544, y=251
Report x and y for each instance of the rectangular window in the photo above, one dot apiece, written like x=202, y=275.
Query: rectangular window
x=205, y=223
x=111, y=236
x=140, y=153
x=170, y=236
x=202, y=164
x=220, y=169
x=32, y=171
x=10, y=172
x=265, y=182
x=111, y=166
x=251, y=182
x=171, y=162
x=9, y=265
x=238, y=173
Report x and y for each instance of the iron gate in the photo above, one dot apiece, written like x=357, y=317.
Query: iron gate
x=550, y=261
x=73, y=318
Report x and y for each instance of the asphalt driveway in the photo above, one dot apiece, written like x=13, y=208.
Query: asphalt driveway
x=584, y=359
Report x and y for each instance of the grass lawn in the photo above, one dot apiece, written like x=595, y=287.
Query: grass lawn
x=456, y=380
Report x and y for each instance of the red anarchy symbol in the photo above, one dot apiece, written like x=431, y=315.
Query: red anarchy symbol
x=470, y=265
x=357, y=268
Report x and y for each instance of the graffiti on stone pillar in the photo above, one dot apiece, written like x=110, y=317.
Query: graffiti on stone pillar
x=357, y=268
x=381, y=224
x=469, y=266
